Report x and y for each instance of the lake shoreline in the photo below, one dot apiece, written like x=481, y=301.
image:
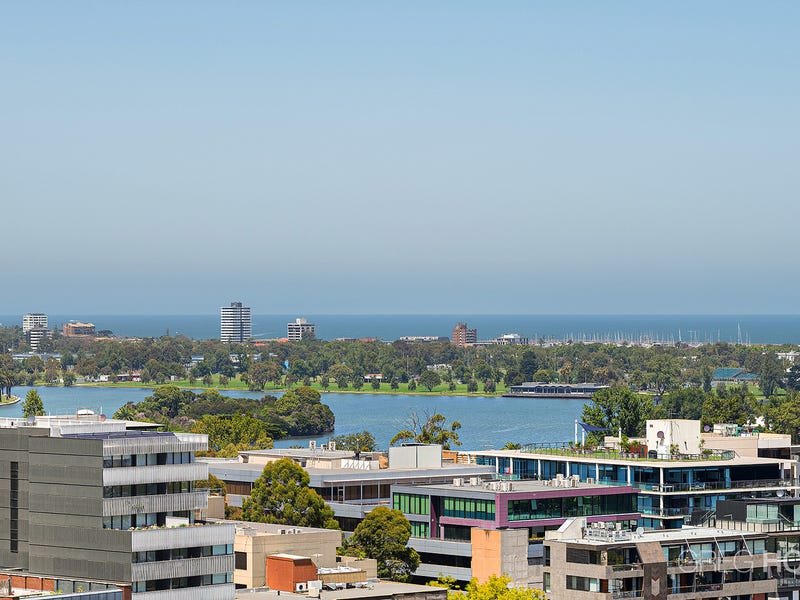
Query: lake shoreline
x=222, y=389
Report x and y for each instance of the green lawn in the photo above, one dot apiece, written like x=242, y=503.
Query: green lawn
x=385, y=388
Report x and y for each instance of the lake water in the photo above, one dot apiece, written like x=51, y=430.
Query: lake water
x=487, y=422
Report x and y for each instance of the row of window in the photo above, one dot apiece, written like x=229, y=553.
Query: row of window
x=143, y=520
x=141, y=460
x=147, y=489
x=420, y=530
x=176, y=583
x=412, y=504
x=468, y=508
x=182, y=553
x=578, y=506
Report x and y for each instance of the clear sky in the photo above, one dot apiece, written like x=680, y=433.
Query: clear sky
x=383, y=157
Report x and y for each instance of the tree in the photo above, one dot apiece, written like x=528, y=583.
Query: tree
x=303, y=412
x=793, y=377
x=683, y=403
x=783, y=416
x=771, y=374
x=528, y=364
x=433, y=430
x=361, y=441
x=383, y=535
x=281, y=495
x=472, y=386
x=212, y=483
x=735, y=404
x=617, y=408
x=497, y=588
x=33, y=406
x=489, y=386
x=376, y=384
x=707, y=375
x=412, y=385
x=429, y=379
x=227, y=435
x=68, y=378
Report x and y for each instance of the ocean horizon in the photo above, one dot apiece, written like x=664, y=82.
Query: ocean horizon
x=756, y=329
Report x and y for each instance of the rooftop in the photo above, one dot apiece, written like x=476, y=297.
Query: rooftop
x=609, y=456
x=371, y=589
x=523, y=485
x=256, y=529
x=598, y=535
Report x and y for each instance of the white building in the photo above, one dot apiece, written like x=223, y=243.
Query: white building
x=34, y=321
x=300, y=329
x=235, y=324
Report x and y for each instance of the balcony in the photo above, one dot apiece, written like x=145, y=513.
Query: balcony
x=569, y=449
x=155, y=474
x=223, y=591
x=626, y=594
x=162, y=538
x=180, y=442
x=156, y=503
x=186, y=567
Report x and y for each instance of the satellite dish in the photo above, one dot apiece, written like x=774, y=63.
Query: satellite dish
x=706, y=428
x=780, y=493
x=660, y=435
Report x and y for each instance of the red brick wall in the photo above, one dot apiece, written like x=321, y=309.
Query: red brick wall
x=284, y=573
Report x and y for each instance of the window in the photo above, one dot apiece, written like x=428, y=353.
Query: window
x=546, y=581
x=468, y=508
x=419, y=530
x=583, y=584
x=412, y=504
x=240, y=560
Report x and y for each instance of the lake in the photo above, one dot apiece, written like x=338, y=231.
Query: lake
x=487, y=422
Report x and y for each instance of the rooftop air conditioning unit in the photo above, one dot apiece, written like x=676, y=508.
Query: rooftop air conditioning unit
x=474, y=481
x=332, y=446
x=312, y=444
x=590, y=480
x=458, y=482
x=301, y=587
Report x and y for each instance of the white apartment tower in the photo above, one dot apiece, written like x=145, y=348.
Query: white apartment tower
x=34, y=321
x=300, y=329
x=235, y=324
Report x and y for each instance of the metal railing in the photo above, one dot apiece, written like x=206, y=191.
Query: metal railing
x=570, y=449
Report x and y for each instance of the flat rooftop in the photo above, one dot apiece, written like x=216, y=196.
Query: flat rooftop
x=233, y=470
x=380, y=589
x=612, y=457
x=303, y=453
x=524, y=485
x=687, y=533
x=258, y=529
x=126, y=434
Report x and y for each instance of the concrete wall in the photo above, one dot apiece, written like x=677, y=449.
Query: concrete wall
x=318, y=545
x=415, y=457
x=500, y=552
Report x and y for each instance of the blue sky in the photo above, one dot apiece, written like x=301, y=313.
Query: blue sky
x=382, y=157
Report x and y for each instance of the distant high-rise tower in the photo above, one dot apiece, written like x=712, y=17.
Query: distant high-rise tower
x=235, y=324
x=463, y=336
x=300, y=329
x=34, y=321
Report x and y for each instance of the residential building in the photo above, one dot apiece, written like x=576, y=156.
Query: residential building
x=92, y=498
x=675, y=487
x=34, y=321
x=542, y=389
x=789, y=357
x=20, y=585
x=471, y=527
x=300, y=329
x=463, y=336
x=77, y=328
x=423, y=338
x=235, y=323
x=608, y=561
x=36, y=335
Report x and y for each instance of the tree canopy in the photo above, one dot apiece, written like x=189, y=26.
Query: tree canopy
x=431, y=430
x=361, y=441
x=383, y=535
x=281, y=495
x=33, y=405
x=497, y=588
x=618, y=408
